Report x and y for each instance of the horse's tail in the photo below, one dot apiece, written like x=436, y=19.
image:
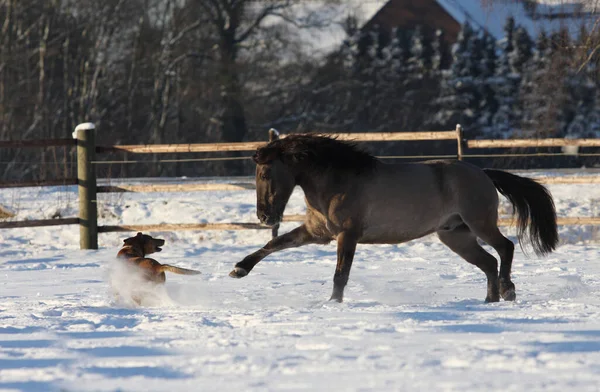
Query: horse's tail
x=178, y=270
x=534, y=207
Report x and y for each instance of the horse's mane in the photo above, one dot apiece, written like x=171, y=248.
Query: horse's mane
x=313, y=151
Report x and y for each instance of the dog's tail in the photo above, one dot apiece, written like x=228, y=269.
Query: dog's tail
x=177, y=270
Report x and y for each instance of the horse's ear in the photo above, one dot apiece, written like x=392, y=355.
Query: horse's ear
x=265, y=155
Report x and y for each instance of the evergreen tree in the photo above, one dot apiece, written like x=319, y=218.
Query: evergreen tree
x=458, y=92
x=438, y=57
x=509, y=28
x=368, y=55
x=522, y=50
x=420, y=54
x=593, y=118
x=488, y=103
x=393, y=72
x=519, y=60
x=350, y=49
x=397, y=58
x=365, y=90
x=582, y=89
x=561, y=51
x=505, y=84
x=534, y=92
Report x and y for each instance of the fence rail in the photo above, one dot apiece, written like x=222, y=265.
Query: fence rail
x=182, y=226
x=37, y=143
x=175, y=187
x=251, y=146
x=26, y=184
x=39, y=223
x=180, y=148
x=532, y=143
x=87, y=183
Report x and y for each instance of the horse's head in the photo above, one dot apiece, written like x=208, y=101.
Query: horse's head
x=275, y=183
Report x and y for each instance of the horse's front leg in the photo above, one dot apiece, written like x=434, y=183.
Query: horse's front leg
x=345, y=254
x=297, y=237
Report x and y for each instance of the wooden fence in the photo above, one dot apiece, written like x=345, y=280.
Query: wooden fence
x=84, y=140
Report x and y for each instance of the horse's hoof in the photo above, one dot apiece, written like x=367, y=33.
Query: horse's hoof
x=509, y=295
x=238, y=273
x=338, y=300
x=492, y=299
x=507, y=290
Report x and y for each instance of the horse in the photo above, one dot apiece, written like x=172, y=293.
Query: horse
x=354, y=198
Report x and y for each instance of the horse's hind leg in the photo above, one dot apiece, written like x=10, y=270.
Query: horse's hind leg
x=464, y=243
x=505, y=248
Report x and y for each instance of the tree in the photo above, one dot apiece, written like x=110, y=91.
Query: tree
x=235, y=24
x=506, y=84
x=488, y=105
x=458, y=89
x=582, y=88
x=439, y=58
x=534, y=92
x=522, y=50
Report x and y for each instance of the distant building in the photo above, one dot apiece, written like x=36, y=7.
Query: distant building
x=489, y=15
x=447, y=15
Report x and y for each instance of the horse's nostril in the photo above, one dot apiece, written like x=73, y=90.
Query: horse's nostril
x=263, y=218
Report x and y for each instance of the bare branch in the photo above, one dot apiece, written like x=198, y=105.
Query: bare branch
x=589, y=58
x=182, y=57
x=267, y=11
x=184, y=31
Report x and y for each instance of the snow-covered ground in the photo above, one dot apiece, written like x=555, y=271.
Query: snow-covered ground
x=413, y=317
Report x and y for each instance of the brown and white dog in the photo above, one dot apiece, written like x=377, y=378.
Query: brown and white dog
x=134, y=253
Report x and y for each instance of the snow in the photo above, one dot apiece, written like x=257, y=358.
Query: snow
x=488, y=15
x=413, y=317
x=83, y=127
x=492, y=15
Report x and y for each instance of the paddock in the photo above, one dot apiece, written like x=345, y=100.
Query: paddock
x=413, y=317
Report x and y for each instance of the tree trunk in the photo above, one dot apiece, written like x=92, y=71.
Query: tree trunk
x=234, y=127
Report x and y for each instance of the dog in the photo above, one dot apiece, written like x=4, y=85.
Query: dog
x=134, y=253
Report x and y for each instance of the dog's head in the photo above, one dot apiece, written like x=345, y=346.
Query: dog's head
x=145, y=243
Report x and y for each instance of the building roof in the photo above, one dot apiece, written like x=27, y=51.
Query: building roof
x=547, y=15
x=491, y=15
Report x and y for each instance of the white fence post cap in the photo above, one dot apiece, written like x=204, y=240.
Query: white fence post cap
x=83, y=127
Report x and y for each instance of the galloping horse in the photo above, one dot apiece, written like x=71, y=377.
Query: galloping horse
x=353, y=198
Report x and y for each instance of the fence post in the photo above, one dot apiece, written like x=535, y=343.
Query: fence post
x=86, y=183
x=459, y=142
x=274, y=135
